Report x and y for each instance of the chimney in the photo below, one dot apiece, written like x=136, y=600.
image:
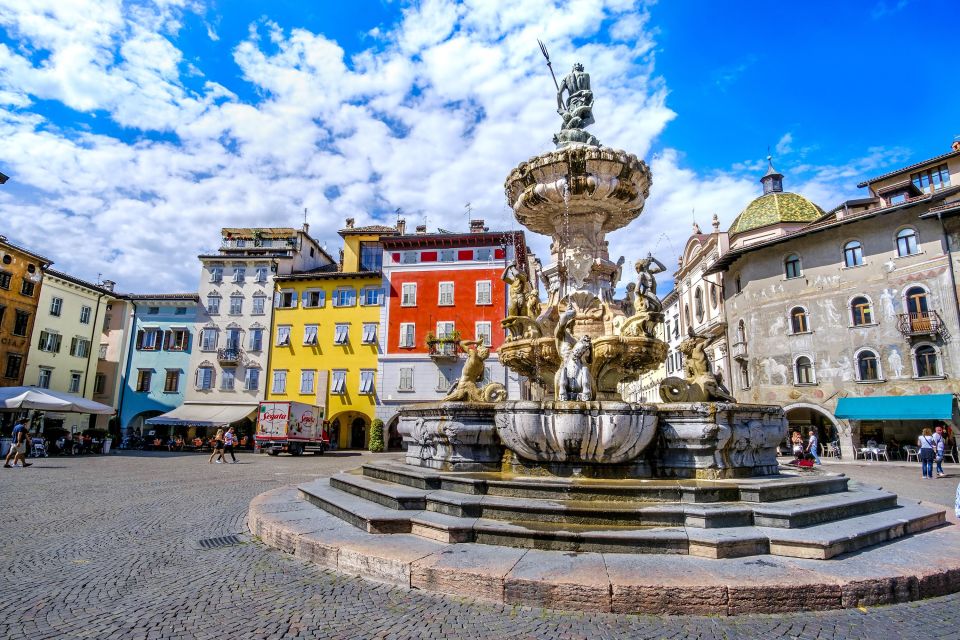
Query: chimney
x=306, y=228
x=476, y=226
x=955, y=146
x=401, y=226
x=421, y=229
x=108, y=285
x=349, y=223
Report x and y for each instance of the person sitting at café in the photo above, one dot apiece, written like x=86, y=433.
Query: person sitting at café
x=197, y=443
x=178, y=443
x=796, y=443
x=87, y=443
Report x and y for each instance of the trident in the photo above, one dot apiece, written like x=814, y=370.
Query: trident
x=543, y=49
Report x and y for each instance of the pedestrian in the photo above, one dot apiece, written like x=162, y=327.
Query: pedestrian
x=941, y=445
x=230, y=439
x=217, y=447
x=927, y=453
x=18, y=448
x=796, y=441
x=813, y=444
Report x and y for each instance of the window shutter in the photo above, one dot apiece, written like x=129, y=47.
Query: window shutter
x=167, y=340
x=140, y=339
x=73, y=347
x=276, y=299
x=56, y=343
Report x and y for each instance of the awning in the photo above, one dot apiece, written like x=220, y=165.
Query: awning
x=930, y=407
x=204, y=415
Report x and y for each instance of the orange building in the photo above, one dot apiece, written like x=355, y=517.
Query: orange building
x=21, y=275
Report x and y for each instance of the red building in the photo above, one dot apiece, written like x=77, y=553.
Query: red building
x=442, y=288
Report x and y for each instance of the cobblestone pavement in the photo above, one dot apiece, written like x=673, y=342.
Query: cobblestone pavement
x=107, y=547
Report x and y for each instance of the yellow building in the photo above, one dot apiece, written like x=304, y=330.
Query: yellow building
x=325, y=338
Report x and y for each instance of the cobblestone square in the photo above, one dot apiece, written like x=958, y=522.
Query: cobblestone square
x=110, y=547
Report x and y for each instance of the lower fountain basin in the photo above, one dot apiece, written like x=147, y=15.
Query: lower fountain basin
x=602, y=432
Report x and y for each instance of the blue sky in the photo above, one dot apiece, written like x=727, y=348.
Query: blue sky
x=134, y=131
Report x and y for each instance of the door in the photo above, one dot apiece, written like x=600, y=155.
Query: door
x=917, y=308
x=358, y=434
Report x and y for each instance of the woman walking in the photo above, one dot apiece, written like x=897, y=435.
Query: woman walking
x=928, y=448
x=218, y=447
x=229, y=439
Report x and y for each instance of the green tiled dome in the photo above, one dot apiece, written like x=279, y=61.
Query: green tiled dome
x=773, y=208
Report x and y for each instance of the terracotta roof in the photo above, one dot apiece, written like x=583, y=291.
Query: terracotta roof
x=83, y=283
x=774, y=208
x=912, y=166
x=4, y=241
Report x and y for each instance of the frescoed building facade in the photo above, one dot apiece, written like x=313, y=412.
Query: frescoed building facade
x=442, y=288
x=326, y=337
x=21, y=273
x=160, y=341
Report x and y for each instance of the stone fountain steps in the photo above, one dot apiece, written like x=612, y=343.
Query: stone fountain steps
x=818, y=541
x=798, y=512
x=687, y=491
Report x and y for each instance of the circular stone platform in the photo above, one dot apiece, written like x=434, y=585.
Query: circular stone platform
x=914, y=567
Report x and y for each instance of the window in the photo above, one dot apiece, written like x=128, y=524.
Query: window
x=932, y=179
x=484, y=292
x=366, y=381
x=371, y=256
x=144, y=376
x=80, y=347
x=803, y=370
x=204, y=379
x=339, y=383
x=21, y=323
x=483, y=254
x=208, y=339
x=256, y=339
x=103, y=351
x=862, y=313
x=12, y=370
x=149, y=339
x=714, y=296
x=408, y=297
x=252, y=382
x=49, y=342
x=314, y=298
x=686, y=314
x=483, y=332
x=99, y=383
x=178, y=339
x=56, y=305
x=341, y=333
x=85, y=315
x=791, y=266
x=213, y=304
x=744, y=375
x=283, y=336
x=346, y=297
x=286, y=299
x=310, y=334
x=907, y=242
x=279, y=381
x=443, y=382
x=409, y=257
x=447, y=255
x=306, y=380
x=407, y=332
x=445, y=329
x=698, y=304
x=74, y=382
x=180, y=311
x=259, y=302
x=262, y=274
x=446, y=294
x=171, y=382
x=372, y=296
x=918, y=312
x=798, y=320
x=216, y=274
x=233, y=339
x=5, y=278
x=406, y=379
x=27, y=288
x=369, y=333
x=239, y=274
x=44, y=379
x=853, y=254
x=106, y=321
x=737, y=285
x=153, y=311
x=236, y=305
x=926, y=362
x=868, y=367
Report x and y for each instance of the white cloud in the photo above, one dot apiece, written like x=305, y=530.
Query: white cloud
x=784, y=144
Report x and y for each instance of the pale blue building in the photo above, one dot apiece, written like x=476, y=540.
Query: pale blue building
x=162, y=336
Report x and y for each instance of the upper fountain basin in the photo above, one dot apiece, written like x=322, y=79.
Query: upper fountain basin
x=578, y=180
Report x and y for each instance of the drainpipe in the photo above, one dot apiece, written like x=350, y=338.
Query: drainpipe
x=126, y=372
x=93, y=332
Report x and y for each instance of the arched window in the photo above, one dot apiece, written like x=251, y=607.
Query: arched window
x=868, y=365
x=791, y=266
x=798, y=320
x=737, y=283
x=918, y=310
x=744, y=376
x=927, y=363
x=861, y=310
x=907, y=242
x=698, y=304
x=853, y=253
x=803, y=370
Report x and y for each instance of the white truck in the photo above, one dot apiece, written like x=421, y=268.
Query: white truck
x=293, y=427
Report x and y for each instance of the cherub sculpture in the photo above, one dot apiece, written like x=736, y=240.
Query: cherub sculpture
x=573, y=380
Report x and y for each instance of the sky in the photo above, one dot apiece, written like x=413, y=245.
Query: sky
x=133, y=131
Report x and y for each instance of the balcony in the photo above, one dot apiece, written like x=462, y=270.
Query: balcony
x=739, y=350
x=440, y=349
x=229, y=355
x=923, y=324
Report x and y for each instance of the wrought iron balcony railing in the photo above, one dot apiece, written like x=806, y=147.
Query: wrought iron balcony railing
x=922, y=323
x=229, y=354
x=443, y=349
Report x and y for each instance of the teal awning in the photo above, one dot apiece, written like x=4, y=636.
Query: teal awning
x=937, y=406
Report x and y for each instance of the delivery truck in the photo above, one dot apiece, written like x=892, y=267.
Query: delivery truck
x=292, y=427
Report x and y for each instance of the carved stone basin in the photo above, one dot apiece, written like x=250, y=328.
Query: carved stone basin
x=580, y=432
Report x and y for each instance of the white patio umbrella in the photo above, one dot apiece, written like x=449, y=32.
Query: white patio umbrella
x=49, y=400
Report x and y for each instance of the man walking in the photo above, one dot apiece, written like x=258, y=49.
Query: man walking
x=229, y=440
x=19, y=447
x=813, y=444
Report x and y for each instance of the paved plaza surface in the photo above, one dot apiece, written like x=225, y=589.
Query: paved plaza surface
x=110, y=547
